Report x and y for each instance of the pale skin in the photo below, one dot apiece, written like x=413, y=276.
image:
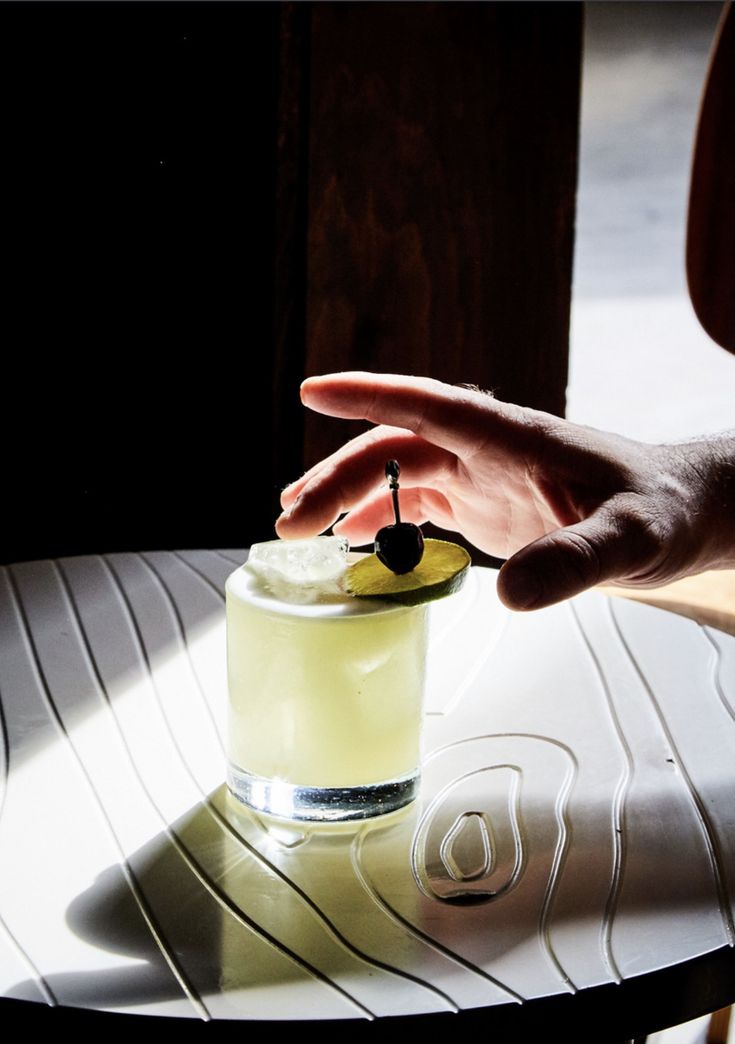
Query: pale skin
x=568, y=506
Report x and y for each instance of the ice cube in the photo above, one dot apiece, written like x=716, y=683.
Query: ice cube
x=300, y=570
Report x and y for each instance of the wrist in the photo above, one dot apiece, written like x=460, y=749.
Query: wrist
x=709, y=464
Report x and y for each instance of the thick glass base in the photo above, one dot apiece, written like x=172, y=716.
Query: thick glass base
x=275, y=797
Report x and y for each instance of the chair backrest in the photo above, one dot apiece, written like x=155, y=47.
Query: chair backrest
x=711, y=222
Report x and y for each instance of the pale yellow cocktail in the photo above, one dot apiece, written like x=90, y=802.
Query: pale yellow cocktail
x=325, y=701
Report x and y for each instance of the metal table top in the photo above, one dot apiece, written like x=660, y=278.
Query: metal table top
x=576, y=826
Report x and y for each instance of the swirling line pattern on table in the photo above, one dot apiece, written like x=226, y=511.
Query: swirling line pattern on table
x=618, y=808
x=717, y=669
x=133, y=884
x=708, y=830
x=43, y=988
x=145, y=559
x=422, y=936
x=126, y=653
x=421, y=865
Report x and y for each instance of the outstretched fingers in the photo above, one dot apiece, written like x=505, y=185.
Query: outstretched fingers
x=417, y=505
x=393, y=440
x=459, y=420
x=355, y=475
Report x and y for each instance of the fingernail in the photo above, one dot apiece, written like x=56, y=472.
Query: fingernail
x=522, y=588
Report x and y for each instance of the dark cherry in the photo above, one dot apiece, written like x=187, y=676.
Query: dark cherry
x=400, y=546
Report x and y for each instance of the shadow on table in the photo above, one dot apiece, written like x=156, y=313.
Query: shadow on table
x=226, y=916
x=219, y=909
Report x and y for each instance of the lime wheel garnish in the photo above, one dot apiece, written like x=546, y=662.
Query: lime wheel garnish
x=441, y=571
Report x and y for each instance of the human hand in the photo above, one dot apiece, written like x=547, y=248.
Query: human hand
x=568, y=506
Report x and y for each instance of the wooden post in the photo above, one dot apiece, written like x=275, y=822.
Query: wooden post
x=442, y=145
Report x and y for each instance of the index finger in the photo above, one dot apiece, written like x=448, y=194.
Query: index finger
x=461, y=420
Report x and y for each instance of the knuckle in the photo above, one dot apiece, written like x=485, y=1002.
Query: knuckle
x=584, y=562
x=647, y=535
x=646, y=532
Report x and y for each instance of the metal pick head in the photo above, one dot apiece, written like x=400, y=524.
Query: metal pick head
x=392, y=471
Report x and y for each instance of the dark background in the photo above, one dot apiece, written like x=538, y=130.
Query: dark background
x=138, y=213
x=204, y=202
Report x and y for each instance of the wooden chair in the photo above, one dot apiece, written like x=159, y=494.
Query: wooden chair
x=711, y=240
x=711, y=225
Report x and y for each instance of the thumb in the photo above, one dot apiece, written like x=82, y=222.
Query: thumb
x=608, y=545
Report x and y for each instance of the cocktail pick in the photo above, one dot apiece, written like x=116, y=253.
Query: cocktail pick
x=399, y=546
